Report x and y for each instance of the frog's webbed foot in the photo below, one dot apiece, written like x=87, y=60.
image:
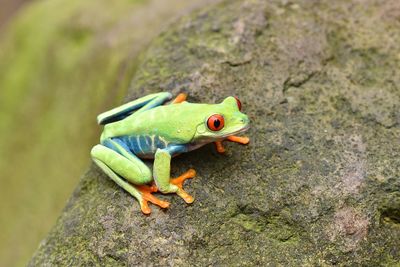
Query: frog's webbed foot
x=178, y=181
x=146, y=192
x=236, y=139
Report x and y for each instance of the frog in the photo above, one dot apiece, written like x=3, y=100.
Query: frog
x=155, y=127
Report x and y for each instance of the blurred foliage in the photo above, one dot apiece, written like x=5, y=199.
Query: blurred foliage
x=61, y=63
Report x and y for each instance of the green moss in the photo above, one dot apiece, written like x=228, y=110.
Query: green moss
x=390, y=207
x=249, y=223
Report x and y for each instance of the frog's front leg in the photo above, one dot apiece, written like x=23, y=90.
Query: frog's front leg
x=236, y=139
x=161, y=174
x=127, y=171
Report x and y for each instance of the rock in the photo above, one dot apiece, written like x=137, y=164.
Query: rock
x=319, y=183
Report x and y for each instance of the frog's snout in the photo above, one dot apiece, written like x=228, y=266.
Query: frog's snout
x=244, y=120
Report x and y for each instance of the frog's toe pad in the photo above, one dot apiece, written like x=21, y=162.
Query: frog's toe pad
x=179, y=183
x=186, y=197
x=144, y=206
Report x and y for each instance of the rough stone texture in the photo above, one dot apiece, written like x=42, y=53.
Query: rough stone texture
x=319, y=184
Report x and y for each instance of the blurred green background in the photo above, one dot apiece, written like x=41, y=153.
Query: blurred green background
x=61, y=63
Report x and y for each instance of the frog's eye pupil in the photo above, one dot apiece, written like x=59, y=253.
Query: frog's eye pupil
x=215, y=122
x=239, y=104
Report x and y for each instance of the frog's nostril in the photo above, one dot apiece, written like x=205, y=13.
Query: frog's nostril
x=244, y=120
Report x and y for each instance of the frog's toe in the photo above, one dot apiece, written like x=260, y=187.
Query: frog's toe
x=186, y=197
x=153, y=187
x=179, y=99
x=178, y=181
x=145, y=207
x=220, y=147
x=148, y=197
x=238, y=139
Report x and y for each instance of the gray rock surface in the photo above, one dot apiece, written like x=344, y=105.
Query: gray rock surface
x=319, y=183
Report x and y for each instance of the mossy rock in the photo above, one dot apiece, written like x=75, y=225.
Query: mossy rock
x=319, y=183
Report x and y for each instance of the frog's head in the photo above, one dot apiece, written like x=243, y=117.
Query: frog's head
x=221, y=120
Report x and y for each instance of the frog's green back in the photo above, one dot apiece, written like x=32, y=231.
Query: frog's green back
x=177, y=123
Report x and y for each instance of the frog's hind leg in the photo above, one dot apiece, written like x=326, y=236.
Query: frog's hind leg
x=138, y=105
x=134, y=172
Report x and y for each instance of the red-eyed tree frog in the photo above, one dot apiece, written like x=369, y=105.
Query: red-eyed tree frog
x=149, y=127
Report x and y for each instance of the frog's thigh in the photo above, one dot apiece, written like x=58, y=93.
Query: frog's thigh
x=132, y=169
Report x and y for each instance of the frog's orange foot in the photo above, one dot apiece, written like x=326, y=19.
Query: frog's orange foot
x=179, y=183
x=148, y=197
x=153, y=187
x=237, y=139
x=179, y=99
x=219, y=146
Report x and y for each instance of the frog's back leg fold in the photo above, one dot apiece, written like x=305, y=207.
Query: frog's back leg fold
x=128, y=172
x=140, y=104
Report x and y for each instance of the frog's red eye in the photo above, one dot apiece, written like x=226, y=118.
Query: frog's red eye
x=215, y=122
x=239, y=104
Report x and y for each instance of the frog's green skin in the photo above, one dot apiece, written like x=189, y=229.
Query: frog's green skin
x=145, y=128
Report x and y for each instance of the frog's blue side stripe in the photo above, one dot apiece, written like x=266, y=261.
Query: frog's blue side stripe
x=159, y=142
x=176, y=149
x=143, y=145
x=148, y=141
x=132, y=142
x=142, y=141
x=109, y=143
x=139, y=144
